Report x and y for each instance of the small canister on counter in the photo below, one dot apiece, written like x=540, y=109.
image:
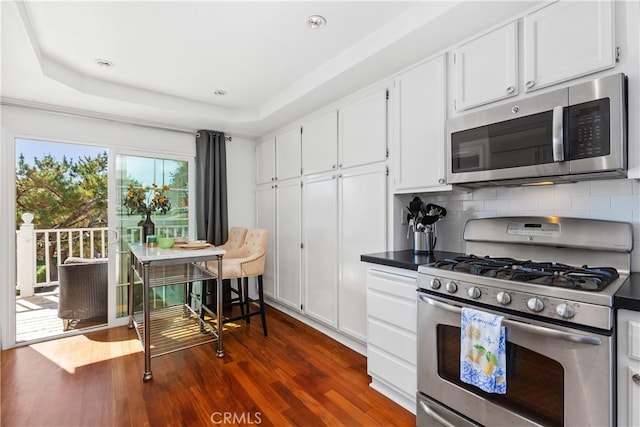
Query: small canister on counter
x=152, y=240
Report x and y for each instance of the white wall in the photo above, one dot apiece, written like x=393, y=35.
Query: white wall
x=615, y=200
x=241, y=182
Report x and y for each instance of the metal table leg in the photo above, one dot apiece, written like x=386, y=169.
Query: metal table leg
x=220, y=350
x=147, y=375
x=131, y=281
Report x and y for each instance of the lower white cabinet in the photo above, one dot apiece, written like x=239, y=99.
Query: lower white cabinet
x=288, y=238
x=392, y=322
x=628, y=335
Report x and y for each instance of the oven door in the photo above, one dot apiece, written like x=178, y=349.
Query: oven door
x=556, y=376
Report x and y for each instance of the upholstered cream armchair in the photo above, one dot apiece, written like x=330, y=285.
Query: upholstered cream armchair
x=242, y=263
x=235, y=239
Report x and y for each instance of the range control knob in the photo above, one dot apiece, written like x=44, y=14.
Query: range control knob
x=535, y=304
x=451, y=287
x=503, y=298
x=565, y=311
x=474, y=292
x=435, y=283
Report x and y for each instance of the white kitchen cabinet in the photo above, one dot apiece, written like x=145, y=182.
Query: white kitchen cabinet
x=266, y=218
x=419, y=138
x=486, y=68
x=567, y=39
x=288, y=241
x=288, y=149
x=320, y=253
x=362, y=131
x=266, y=161
x=392, y=323
x=320, y=144
x=362, y=229
x=628, y=337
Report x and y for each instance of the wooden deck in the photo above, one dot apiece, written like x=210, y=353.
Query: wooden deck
x=37, y=318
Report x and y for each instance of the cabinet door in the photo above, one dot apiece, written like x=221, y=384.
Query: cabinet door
x=288, y=155
x=566, y=40
x=288, y=260
x=320, y=144
x=420, y=132
x=266, y=161
x=362, y=130
x=486, y=69
x=266, y=218
x=320, y=253
x=362, y=208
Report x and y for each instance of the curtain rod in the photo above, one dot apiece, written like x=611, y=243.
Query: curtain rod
x=226, y=138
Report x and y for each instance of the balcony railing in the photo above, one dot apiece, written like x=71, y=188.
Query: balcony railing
x=40, y=252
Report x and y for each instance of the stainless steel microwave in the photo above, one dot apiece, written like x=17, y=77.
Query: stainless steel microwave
x=566, y=135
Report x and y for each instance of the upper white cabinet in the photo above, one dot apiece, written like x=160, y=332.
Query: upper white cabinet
x=486, y=69
x=362, y=130
x=320, y=144
x=288, y=148
x=567, y=39
x=419, y=137
x=266, y=161
x=279, y=158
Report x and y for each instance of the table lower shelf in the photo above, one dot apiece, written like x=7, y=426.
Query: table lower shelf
x=174, y=328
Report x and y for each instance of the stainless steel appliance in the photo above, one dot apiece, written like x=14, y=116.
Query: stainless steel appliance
x=553, y=279
x=566, y=135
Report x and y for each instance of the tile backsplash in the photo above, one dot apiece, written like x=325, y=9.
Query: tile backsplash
x=615, y=200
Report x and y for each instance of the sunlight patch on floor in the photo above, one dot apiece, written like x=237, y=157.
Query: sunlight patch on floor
x=75, y=352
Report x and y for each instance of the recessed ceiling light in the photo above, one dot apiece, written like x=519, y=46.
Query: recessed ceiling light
x=220, y=92
x=316, y=21
x=105, y=63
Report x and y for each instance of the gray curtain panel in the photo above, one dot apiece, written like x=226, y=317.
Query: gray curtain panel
x=211, y=187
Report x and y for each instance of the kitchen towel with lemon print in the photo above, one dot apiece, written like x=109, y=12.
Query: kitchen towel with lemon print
x=482, y=351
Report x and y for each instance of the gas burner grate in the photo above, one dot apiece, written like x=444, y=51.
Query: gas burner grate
x=545, y=273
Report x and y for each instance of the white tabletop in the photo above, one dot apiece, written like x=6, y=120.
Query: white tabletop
x=145, y=253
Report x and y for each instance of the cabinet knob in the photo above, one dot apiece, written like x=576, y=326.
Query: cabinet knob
x=510, y=89
x=636, y=378
x=530, y=84
x=333, y=166
x=441, y=181
x=340, y=165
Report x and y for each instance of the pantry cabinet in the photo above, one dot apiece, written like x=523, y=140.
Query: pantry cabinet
x=420, y=126
x=320, y=144
x=342, y=220
x=362, y=229
x=279, y=211
x=486, y=68
x=288, y=242
x=628, y=326
x=567, y=39
x=391, y=344
x=320, y=247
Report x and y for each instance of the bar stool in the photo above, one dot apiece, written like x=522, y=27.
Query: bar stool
x=242, y=263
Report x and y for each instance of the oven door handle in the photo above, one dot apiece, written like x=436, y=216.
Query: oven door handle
x=433, y=414
x=534, y=329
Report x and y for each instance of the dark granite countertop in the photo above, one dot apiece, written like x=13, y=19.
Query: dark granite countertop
x=406, y=259
x=628, y=296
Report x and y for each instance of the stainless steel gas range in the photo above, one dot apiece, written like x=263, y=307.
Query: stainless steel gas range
x=553, y=281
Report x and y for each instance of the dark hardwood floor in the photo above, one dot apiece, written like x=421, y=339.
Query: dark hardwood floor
x=294, y=377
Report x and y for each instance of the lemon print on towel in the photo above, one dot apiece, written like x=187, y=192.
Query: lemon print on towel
x=485, y=359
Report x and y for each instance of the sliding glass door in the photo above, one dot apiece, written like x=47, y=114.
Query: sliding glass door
x=135, y=178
